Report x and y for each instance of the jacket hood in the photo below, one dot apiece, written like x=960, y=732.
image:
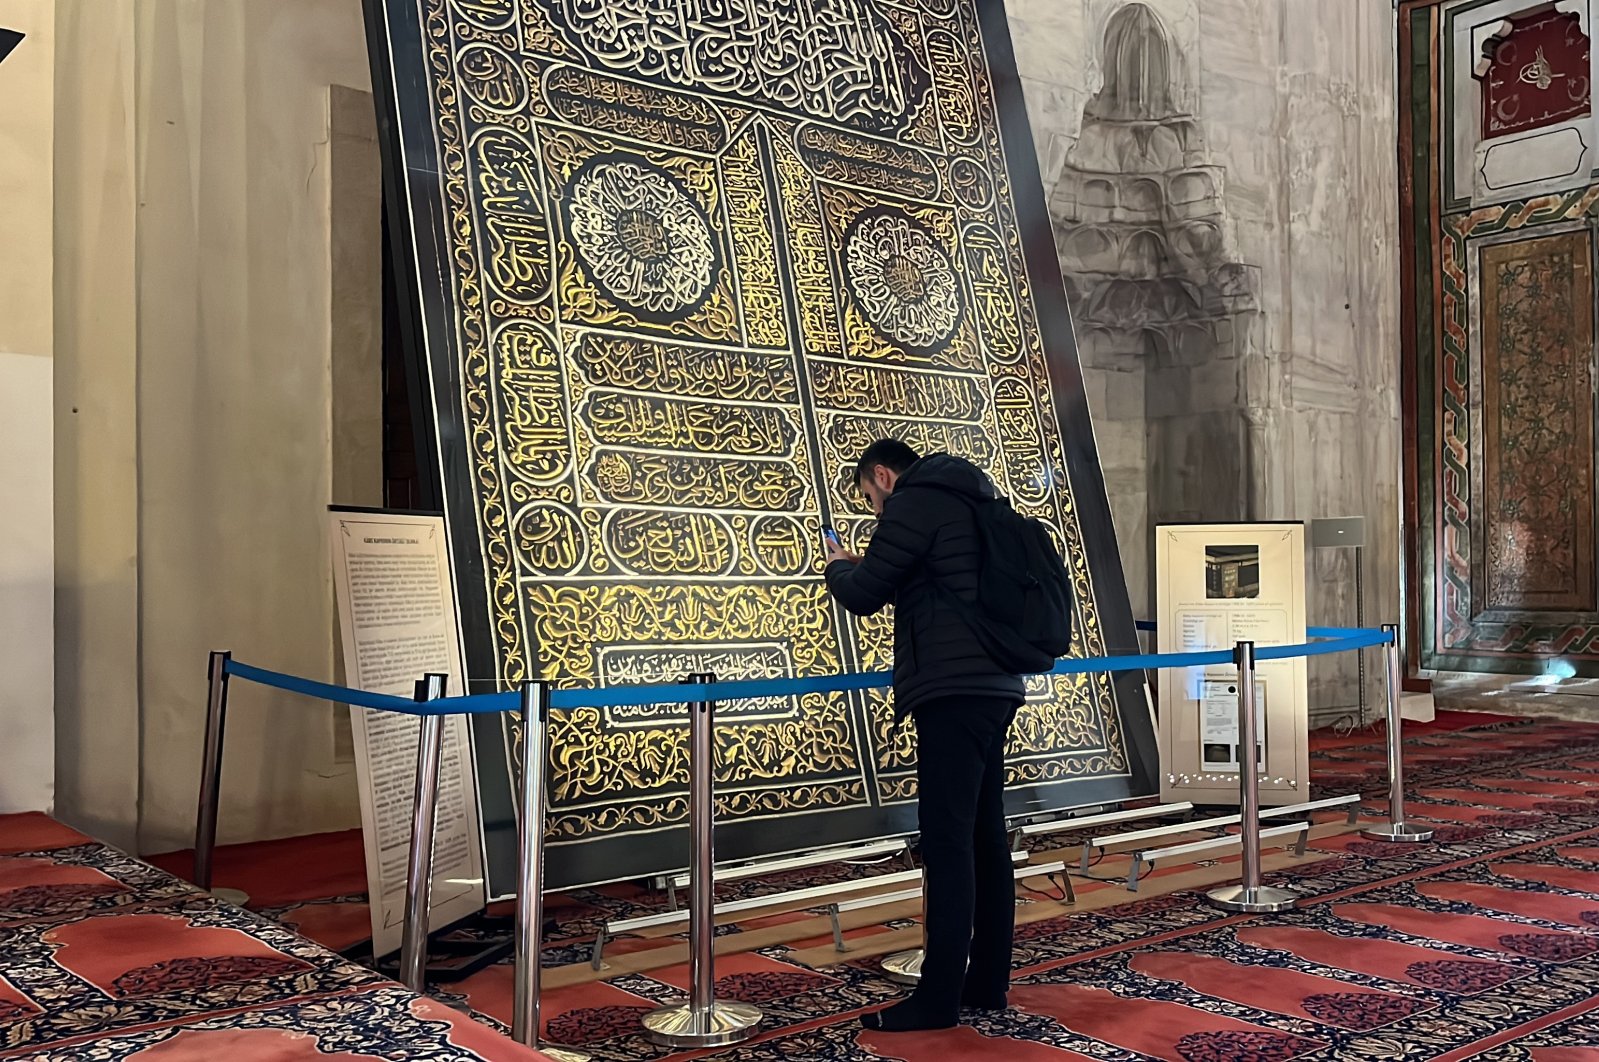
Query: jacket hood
x=948, y=472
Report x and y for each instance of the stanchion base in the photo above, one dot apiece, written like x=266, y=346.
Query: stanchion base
x=683, y=1026
x=563, y=1054
x=1264, y=900
x=905, y=967
x=1397, y=831
x=236, y=897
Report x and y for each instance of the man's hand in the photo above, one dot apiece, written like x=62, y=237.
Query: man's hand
x=836, y=552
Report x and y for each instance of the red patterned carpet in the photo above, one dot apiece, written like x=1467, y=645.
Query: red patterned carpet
x=103, y=957
x=1483, y=945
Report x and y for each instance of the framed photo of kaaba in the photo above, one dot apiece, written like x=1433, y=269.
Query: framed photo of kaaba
x=1217, y=585
x=670, y=265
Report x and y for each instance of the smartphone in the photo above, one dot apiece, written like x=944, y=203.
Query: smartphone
x=831, y=536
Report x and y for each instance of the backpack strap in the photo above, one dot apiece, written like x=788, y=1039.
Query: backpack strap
x=974, y=505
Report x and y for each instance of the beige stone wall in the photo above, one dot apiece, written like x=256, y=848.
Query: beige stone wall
x=1294, y=104
x=27, y=104
x=195, y=230
x=97, y=417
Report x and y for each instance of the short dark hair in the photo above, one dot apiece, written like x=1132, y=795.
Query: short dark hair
x=889, y=453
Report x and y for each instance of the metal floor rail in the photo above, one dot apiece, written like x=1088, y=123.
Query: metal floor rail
x=1154, y=833
x=1025, y=870
x=611, y=930
x=818, y=858
x=1299, y=830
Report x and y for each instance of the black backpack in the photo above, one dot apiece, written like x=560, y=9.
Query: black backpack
x=1023, y=614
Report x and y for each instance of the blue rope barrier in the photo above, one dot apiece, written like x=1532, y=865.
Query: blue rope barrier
x=321, y=690
x=1347, y=643
x=1336, y=640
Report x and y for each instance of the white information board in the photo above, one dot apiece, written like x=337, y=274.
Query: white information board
x=1217, y=585
x=398, y=621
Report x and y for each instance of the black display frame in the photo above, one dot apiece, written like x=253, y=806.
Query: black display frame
x=422, y=260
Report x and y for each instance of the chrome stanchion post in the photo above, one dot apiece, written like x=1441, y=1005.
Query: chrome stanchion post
x=1397, y=829
x=419, y=872
x=1249, y=895
x=205, y=822
x=702, y=1021
x=530, y=874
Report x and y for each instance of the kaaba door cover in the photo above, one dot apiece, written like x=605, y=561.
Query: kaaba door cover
x=673, y=264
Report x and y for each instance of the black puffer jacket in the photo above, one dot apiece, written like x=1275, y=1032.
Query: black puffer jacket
x=926, y=540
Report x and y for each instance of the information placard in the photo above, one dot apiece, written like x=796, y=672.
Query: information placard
x=1217, y=585
x=397, y=619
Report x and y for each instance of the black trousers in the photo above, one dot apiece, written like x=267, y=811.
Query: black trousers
x=970, y=900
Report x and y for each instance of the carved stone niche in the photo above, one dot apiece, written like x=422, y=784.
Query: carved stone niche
x=1520, y=115
x=1140, y=222
x=1164, y=311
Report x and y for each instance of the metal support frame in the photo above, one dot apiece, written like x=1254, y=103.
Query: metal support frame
x=882, y=899
x=1249, y=896
x=1055, y=871
x=611, y=930
x=1349, y=801
x=1397, y=829
x=818, y=858
x=702, y=1021
x=530, y=874
x=1349, y=532
x=623, y=926
x=1087, y=822
x=1152, y=833
x=419, y=869
x=792, y=897
x=1298, y=831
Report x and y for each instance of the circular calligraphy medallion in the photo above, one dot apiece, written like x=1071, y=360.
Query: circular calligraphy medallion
x=549, y=539
x=642, y=237
x=971, y=183
x=492, y=78
x=782, y=545
x=901, y=278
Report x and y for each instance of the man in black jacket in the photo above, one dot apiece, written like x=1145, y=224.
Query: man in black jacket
x=926, y=560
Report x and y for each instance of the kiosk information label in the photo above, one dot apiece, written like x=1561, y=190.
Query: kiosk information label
x=1217, y=585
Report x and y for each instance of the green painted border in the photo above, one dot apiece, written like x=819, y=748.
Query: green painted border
x=1421, y=83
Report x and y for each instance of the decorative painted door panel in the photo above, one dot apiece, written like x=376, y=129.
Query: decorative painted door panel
x=675, y=263
x=1499, y=365
x=1534, y=537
